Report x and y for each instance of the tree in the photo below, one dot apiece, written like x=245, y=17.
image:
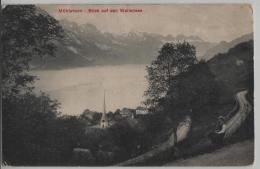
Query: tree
x=173, y=59
x=191, y=91
x=110, y=115
x=28, y=32
x=26, y=126
x=117, y=112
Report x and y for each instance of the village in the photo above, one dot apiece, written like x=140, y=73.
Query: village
x=106, y=119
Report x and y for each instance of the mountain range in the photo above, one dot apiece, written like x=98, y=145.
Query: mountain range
x=224, y=46
x=86, y=45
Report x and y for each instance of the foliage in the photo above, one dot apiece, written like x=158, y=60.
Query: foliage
x=236, y=67
x=25, y=123
x=33, y=134
x=27, y=32
x=191, y=91
x=29, y=121
x=173, y=59
x=90, y=117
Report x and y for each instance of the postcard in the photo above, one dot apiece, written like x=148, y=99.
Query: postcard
x=127, y=85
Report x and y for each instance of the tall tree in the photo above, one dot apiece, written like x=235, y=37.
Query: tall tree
x=173, y=59
x=28, y=32
x=191, y=91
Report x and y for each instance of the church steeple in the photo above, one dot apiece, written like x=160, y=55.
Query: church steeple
x=104, y=106
x=104, y=120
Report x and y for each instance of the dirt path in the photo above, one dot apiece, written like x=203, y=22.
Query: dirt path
x=232, y=155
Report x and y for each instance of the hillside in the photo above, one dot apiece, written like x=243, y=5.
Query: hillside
x=235, y=68
x=198, y=93
x=222, y=157
x=85, y=45
x=224, y=46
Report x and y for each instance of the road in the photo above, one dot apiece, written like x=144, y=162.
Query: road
x=224, y=156
x=239, y=154
x=232, y=155
x=244, y=109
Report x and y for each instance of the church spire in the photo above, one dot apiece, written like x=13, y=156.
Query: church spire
x=104, y=106
x=104, y=120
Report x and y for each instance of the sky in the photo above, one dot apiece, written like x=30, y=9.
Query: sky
x=211, y=22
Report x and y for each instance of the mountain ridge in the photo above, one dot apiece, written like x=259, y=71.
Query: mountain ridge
x=86, y=45
x=223, y=46
x=235, y=68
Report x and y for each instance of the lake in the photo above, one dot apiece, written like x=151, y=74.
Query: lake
x=78, y=89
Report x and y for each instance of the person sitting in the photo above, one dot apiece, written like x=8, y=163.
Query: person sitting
x=217, y=137
x=220, y=127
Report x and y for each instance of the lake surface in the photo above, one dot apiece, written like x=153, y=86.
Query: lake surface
x=83, y=88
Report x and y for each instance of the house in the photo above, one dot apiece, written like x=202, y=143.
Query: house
x=141, y=111
x=126, y=112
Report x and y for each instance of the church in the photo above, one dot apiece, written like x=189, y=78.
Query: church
x=104, y=122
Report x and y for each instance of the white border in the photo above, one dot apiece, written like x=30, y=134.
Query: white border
x=256, y=9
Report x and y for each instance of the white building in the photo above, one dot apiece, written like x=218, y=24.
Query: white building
x=126, y=112
x=141, y=111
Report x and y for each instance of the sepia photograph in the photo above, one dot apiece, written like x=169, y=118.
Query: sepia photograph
x=127, y=85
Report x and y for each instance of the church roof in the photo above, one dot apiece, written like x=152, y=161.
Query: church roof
x=104, y=117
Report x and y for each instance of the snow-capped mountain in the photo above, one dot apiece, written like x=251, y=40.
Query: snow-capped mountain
x=85, y=45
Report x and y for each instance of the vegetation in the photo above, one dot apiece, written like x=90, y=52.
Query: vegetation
x=27, y=32
x=33, y=132
x=173, y=59
x=191, y=91
x=236, y=67
x=203, y=91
